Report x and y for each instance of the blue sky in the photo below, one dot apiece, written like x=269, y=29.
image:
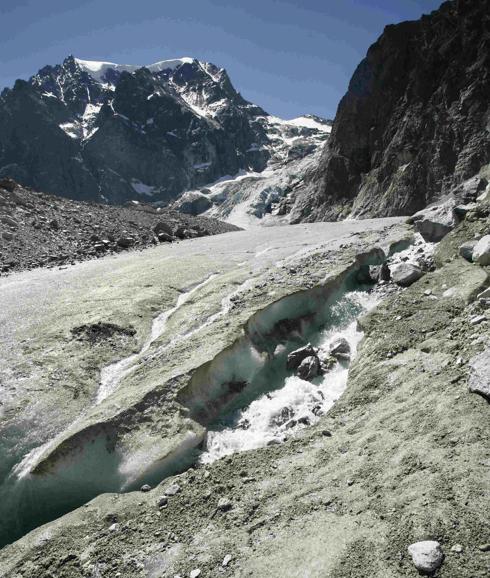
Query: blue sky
x=289, y=56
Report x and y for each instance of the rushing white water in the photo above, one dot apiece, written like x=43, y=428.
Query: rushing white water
x=112, y=374
x=296, y=403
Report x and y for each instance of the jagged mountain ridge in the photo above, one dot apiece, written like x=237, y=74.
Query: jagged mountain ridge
x=414, y=122
x=107, y=132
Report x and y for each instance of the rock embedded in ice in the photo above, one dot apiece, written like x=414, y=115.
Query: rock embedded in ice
x=297, y=356
x=379, y=273
x=427, y=556
x=481, y=251
x=405, y=274
x=309, y=368
x=479, y=380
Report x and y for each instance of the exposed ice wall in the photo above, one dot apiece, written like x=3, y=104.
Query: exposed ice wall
x=292, y=403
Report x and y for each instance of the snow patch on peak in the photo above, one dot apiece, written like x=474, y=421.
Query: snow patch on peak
x=97, y=69
x=170, y=64
x=309, y=121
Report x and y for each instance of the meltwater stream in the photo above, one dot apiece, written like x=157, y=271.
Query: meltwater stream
x=290, y=403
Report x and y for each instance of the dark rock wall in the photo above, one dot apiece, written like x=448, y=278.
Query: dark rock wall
x=414, y=121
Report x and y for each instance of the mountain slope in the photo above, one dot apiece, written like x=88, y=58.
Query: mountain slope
x=108, y=132
x=414, y=121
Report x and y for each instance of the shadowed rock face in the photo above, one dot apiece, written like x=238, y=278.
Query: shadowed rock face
x=412, y=124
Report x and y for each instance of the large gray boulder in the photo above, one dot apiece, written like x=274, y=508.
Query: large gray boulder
x=479, y=380
x=435, y=221
x=427, y=556
x=481, y=251
x=340, y=348
x=296, y=357
x=405, y=274
x=309, y=368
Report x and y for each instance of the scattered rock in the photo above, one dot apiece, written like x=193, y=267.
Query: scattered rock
x=195, y=573
x=481, y=251
x=404, y=274
x=9, y=221
x=484, y=547
x=457, y=548
x=165, y=238
x=477, y=319
x=434, y=222
x=42, y=230
x=297, y=356
x=309, y=368
x=101, y=331
x=162, y=227
x=125, y=242
x=479, y=379
x=145, y=488
x=226, y=560
x=466, y=250
x=427, y=555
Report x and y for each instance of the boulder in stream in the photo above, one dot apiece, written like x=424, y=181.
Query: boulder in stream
x=297, y=356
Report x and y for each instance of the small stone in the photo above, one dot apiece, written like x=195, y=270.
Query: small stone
x=478, y=319
x=162, y=501
x=350, y=482
x=226, y=560
x=224, y=505
x=484, y=547
x=145, y=488
x=427, y=555
x=428, y=292
x=457, y=548
x=172, y=490
x=195, y=573
x=114, y=527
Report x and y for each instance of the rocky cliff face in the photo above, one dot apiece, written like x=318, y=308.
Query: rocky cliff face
x=108, y=132
x=414, y=122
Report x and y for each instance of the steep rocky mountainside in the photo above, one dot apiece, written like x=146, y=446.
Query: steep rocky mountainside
x=45, y=230
x=110, y=133
x=414, y=123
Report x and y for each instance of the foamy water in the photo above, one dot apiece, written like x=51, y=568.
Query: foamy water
x=281, y=413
